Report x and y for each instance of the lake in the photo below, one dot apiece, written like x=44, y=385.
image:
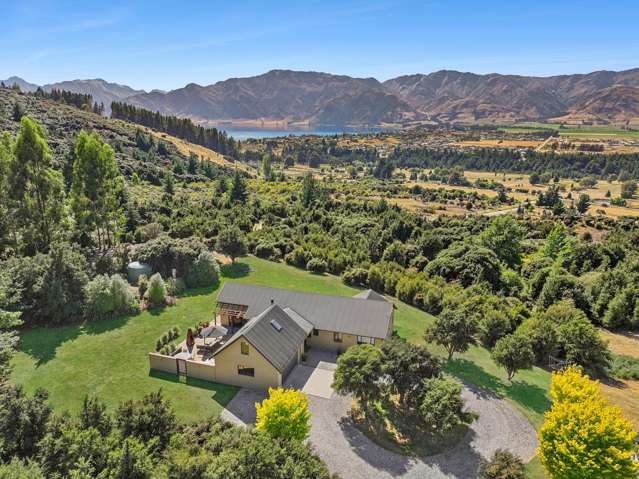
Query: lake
x=243, y=134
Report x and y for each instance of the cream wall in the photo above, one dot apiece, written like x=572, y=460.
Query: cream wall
x=163, y=363
x=198, y=370
x=226, y=363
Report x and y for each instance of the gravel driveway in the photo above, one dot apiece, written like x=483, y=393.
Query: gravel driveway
x=352, y=455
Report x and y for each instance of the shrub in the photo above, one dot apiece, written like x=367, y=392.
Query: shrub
x=563, y=287
x=266, y=250
x=355, y=277
x=493, y=326
x=442, y=406
x=99, y=300
x=108, y=296
x=51, y=285
x=580, y=343
x=175, y=286
x=316, y=265
x=143, y=285
x=621, y=310
x=165, y=254
x=232, y=242
x=298, y=257
x=284, y=414
x=624, y=367
x=503, y=465
x=468, y=264
x=18, y=469
x=157, y=290
x=205, y=271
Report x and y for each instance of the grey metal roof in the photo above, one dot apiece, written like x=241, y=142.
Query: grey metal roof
x=329, y=313
x=370, y=294
x=302, y=322
x=277, y=346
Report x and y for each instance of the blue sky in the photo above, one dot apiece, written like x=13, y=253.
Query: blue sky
x=167, y=44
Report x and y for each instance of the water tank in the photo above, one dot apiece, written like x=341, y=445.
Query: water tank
x=136, y=269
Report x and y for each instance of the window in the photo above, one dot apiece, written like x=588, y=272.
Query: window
x=315, y=332
x=244, y=348
x=337, y=337
x=365, y=340
x=242, y=371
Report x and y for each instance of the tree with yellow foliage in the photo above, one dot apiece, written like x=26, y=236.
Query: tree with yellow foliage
x=284, y=414
x=583, y=436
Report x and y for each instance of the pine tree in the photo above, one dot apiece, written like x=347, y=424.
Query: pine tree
x=18, y=112
x=238, y=190
x=309, y=190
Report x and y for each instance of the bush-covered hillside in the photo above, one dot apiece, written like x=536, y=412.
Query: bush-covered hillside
x=136, y=151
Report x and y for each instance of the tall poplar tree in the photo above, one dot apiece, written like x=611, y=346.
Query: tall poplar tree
x=36, y=189
x=96, y=182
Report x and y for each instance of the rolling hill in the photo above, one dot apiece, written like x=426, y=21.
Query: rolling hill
x=150, y=160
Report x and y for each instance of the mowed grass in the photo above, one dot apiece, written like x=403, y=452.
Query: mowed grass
x=575, y=131
x=109, y=358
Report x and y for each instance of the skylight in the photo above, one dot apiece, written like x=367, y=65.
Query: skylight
x=276, y=325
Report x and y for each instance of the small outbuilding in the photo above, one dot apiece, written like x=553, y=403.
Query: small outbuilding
x=136, y=269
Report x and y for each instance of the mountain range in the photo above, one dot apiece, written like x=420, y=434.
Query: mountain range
x=101, y=91
x=295, y=97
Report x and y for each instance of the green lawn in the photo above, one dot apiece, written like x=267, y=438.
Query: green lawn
x=584, y=130
x=109, y=358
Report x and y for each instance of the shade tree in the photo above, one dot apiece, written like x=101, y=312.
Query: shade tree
x=406, y=365
x=358, y=372
x=513, y=352
x=453, y=330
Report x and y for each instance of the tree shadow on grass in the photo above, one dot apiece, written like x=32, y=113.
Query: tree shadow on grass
x=528, y=395
x=222, y=393
x=235, y=270
x=460, y=460
x=42, y=343
x=204, y=291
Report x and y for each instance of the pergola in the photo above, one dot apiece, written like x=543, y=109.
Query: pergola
x=231, y=310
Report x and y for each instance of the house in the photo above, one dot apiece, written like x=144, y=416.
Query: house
x=271, y=329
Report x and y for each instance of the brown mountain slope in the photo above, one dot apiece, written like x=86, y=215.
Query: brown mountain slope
x=618, y=103
x=456, y=96
x=447, y=96
x=283, y=95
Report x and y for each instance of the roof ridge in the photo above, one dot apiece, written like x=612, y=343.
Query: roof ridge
x=308, y=293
